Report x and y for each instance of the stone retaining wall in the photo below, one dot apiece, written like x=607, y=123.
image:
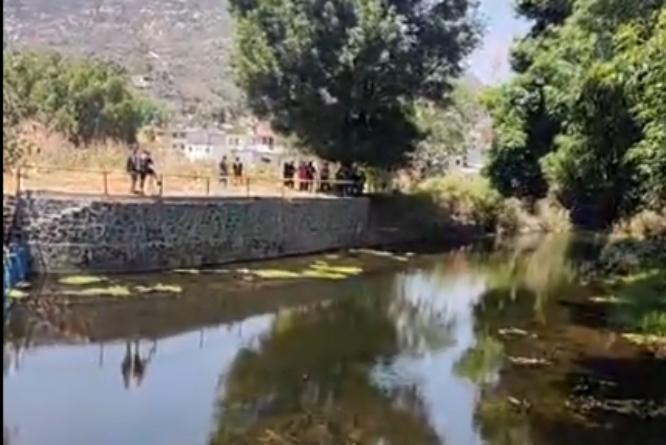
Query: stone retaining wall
x=66, y=234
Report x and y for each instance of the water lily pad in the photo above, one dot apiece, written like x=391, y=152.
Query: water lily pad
x=81, y=280
x=605, y=300
x=16, y=294
x=159, y=287
x=529, y=361
x=322, y=274
x=346, y=270
x=187, y=271
x=276, y=274
x=111, y=291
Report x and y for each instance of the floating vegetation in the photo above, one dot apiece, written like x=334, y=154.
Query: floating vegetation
x=111, y=291
x=345, y=270
x=510, y=332
x=322, y=274
x=654, y=343
x=605, y=300
x=16, y=294
x=381, y=253
x=187, y=271
x=276, y=274
x=519, y=404
x=81, y=280
x=159, y=287
x=528, y=361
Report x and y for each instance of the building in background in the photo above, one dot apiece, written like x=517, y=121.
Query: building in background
x=257, y=147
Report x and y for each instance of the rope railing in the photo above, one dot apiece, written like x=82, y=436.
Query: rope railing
x=118, y=183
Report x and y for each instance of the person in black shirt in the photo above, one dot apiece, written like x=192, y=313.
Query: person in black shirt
x=147, y=169
x=133, y=167
x=324, y=177
x=224, y=171
x=238, y=172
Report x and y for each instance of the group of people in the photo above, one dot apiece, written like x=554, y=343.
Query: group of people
x=236, y=168
x=349, y=179
x=140, y=165
x=306, y=173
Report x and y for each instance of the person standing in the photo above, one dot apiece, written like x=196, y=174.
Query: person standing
x=312, y=177
x=238, y=172
x=147, y=170
x=325, y=177
x=302, y=176
x=133, y=167
x=288, y=175
x=224, y=171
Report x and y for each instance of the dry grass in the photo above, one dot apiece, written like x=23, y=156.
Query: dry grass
x=54, y=164
x=643, y=225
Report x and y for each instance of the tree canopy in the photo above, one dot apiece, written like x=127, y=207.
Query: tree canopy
x=585, y=117
x=84, y=99
x=343, y=75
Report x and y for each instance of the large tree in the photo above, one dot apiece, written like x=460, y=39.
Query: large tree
x=343, y=75
x=585, y=115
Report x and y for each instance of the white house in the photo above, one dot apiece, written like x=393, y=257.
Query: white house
x=254, y=149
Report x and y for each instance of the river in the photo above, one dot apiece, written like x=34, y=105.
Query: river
x=482, y=345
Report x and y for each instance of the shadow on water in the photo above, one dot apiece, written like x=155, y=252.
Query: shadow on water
x=477, y=346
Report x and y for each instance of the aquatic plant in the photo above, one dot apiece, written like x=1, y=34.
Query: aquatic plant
x=81, y=280
x=159, y=287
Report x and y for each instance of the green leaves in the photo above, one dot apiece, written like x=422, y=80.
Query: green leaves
x=86, y=100
x=590, y=101
x=341, y=76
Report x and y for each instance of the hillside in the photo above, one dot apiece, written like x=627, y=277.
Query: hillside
x=177, y=49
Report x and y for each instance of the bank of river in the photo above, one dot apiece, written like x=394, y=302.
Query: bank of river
x=484, y=345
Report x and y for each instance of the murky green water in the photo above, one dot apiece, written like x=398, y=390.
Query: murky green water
x=477, y=346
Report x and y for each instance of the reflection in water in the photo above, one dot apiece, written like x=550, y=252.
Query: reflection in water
x=413, y=357
x=134, y=365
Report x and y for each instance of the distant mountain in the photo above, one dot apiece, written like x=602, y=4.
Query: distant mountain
x=176, y=49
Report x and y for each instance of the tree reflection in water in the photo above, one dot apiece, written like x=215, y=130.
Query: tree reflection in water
x=310, y=381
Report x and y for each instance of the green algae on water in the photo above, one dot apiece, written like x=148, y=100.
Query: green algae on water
x=16, y=294
x=111, y=291
x=159, y=287
x=276, y=274
x=81, y=280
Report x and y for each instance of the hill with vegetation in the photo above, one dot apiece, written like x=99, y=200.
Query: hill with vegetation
x=176, y=50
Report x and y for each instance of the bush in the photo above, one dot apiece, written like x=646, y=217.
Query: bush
x=643, y=225
x=512, y=217
x=552, y=216
x=467, y=200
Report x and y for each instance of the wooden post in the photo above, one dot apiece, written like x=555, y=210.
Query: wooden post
x=207, y=185
x=161, y=188
x=105, y=176
x=18, y=181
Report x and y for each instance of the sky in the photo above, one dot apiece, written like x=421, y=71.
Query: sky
x=490, y=63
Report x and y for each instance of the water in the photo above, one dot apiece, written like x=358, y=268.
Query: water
x=477, y=346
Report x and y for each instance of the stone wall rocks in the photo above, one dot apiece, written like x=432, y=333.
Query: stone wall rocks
x=66, y=234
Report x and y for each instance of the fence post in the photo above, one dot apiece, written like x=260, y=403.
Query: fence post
x=161, y=188
x=18, y=181
x=207, y=185
x=105, y=176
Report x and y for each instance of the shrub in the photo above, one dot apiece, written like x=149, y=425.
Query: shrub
x=552, y=216
x=467, y=200
x=512, y=217
x=643, y=225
